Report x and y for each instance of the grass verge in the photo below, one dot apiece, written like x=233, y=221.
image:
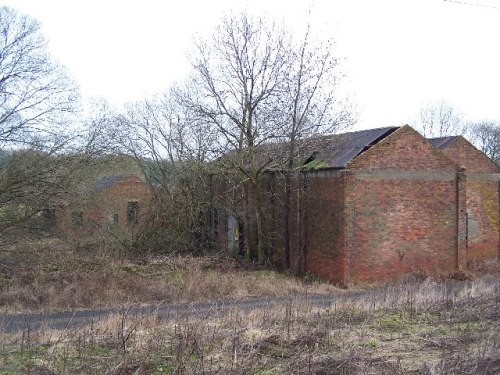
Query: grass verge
x=411, y=328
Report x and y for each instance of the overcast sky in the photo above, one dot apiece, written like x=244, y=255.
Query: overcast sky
x=396, y=54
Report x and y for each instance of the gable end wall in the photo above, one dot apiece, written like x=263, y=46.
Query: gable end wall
x=404, y=210
x=483, y=196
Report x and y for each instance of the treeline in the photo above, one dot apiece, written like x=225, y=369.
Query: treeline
x=252, y=83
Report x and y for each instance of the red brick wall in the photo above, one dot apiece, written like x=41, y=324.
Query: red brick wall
x=401, y=209
x=319, y=226
x=98, y=209
x=405, y=149
x=467, y=156
x=398, y=207
x=483, y=176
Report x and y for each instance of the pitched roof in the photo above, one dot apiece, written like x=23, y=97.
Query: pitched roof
x=339, y=149
x=107, y=181
x=442, y=142
x=327, y=151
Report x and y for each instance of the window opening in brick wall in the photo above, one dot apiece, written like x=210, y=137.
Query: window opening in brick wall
x=241, y=238
x=49, y=213
x=235, y=235
x=232, y=234
x=133, y=212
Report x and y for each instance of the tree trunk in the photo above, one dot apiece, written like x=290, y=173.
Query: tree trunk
x=286, y=203
x=248, y=249
x=259, y=221
x=286, y=219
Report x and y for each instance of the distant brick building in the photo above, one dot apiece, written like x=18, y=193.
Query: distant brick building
x=377, y=204
x=115, y=203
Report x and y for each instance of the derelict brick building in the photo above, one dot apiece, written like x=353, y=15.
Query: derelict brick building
x=376, y=204
x=118, y=203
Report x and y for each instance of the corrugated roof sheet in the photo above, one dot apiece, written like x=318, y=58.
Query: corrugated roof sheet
x=442, y=142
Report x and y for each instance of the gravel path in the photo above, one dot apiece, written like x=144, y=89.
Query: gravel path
x=70, y=319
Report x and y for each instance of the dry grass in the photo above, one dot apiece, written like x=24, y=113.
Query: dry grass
x=413, y=328
x=415, y=325
x=51, y=275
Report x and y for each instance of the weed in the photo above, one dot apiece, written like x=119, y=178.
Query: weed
x=393, y=322
x=415, y=326
x=295, y=338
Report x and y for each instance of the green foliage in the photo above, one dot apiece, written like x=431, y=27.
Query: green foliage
x=22, y=360
x=54, y=267
x=372, y=343
x=393, y=322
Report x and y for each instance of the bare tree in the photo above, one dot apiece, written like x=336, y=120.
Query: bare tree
x=311, y=105
x=260, y=87
x=37, y=98
x=172, y=147
x=239, y=75
x=34, y=177
x=440, y=119
x=486, y=136
x=35, y=93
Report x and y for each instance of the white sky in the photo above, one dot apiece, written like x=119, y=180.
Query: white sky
x=397, y=53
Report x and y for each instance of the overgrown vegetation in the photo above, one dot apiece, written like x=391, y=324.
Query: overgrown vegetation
x=251, y=86
x=417, y=327
x=50, y=274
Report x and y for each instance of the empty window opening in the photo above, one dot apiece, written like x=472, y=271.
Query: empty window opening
x=235, y=235
x=241, y=238
x=133, y=212
x=49, y=213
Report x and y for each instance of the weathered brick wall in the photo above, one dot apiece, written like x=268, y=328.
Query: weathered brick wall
x=115, y=199
x=405, y=208
x=483, y=210
x=398, y=207
x=316, y=227
x=401, y=225
x=229, y=197
x=99, y=208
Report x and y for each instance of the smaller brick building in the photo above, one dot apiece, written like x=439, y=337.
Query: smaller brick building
x=377, y=204
x=115, y=203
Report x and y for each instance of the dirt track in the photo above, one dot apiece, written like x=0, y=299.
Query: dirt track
x=66, y=319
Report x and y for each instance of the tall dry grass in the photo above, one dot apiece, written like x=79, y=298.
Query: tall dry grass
x=414, y=328
x=54, y=275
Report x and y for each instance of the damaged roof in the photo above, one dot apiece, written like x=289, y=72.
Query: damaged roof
x=326, y=151
x=107, y=181
x=442, y=142
x=339, y=149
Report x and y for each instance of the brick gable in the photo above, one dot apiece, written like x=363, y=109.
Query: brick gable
x=405, y=149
